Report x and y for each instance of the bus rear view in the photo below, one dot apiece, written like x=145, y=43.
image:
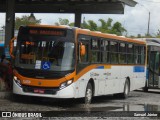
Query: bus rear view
x=44, y=62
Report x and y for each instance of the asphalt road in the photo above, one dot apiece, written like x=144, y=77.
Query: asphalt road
x=101, y=108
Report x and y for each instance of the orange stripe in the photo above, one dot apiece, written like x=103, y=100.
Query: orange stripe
x=57, y=82
x=87, y=69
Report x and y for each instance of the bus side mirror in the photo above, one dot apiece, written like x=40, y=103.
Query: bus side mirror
x=83, y=50
x=11, y=46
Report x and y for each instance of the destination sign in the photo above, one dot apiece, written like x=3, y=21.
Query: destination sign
x=48, y=32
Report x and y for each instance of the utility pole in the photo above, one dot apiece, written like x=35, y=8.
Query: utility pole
x=148, y=24
x=148, y=18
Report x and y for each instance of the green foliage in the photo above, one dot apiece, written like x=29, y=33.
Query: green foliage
x=139, y=36
x=92, y=25
x=118, y=29
x=148, y=36
x=105, y=27
x=64, y=22
x=24, y=21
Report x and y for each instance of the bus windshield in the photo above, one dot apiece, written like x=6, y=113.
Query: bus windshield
x=45, y=52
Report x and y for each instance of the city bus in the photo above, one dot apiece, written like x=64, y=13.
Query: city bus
x=66, y=62
x=153, y=64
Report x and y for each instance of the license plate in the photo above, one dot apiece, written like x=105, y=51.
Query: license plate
x=39, y=91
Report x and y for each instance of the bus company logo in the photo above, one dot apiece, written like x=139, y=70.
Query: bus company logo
x=92, y=74
x=6, y=114
x=39, y=83
x=26, y=81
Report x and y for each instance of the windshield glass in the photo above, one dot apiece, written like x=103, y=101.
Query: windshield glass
x=51, y=53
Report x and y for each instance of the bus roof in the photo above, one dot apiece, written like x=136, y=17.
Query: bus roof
x=50, y=26
x=93, y=33
x=110, y=36
x=152, y=41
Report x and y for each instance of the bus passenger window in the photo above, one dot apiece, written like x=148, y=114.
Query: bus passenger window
x=142, y=55
x=84, y=40
x=104, y=49
x=137, y=54
x=95, y=44
x=130, y=54
x=84, y=58
x=95, y=57
x=122, y=54
x=95, y=50
x=114, y=52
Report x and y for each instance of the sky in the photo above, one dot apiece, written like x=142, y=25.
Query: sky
x=134, y=19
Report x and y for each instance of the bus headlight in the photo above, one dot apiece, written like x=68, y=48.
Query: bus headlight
x=65, y=84
x=15, y=78
x=18, y=82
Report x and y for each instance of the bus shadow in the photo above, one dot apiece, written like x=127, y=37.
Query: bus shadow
x=64, y=103
x=44, y=101
x=150, y=91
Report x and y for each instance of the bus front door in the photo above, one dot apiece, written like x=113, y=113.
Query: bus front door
x=153, y=70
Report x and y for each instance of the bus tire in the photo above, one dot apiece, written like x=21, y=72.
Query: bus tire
x=88, y=94
x=145, y=89
x=126, y=90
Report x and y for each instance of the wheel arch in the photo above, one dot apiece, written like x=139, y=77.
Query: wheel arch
x=128, y=79
x=93, y=85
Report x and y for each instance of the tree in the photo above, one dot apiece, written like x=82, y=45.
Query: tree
x=92, y=25
x=118, y=29
x=105, y=27
x=64, y=22
x=148, y=36
x=24, y=20
x=139, y=36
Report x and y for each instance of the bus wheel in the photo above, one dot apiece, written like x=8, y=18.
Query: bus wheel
x=126, y=90
x=88, y=94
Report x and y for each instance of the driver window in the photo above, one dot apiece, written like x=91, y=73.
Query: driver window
x=84, y=39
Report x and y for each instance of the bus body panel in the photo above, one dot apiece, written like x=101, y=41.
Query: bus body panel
x=107, y=83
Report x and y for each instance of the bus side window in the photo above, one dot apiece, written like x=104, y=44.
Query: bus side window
x=137, y=54
x=95, y=50
x=114, y=52
x=84, y=40
x=130, y=53
x=122, y=54
x=142, y=55
x=105, y=51
x=84, y=58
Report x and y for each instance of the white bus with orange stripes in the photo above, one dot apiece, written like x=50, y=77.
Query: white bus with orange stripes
x=65, y=62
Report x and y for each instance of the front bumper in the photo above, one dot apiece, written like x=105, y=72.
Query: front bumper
x=67, y=92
